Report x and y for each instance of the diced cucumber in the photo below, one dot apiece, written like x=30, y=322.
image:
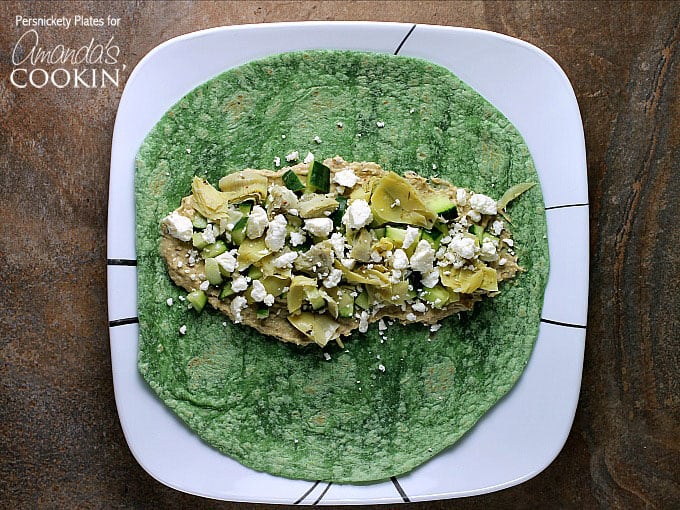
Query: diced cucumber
x=198, y=241
x=437, y=295
x=379, y=233
x=345, y=305
x=396, y=234
x=315, y=298
x=214, y=249
x=199, y=221
x=319, y=178
x=443, y=205
x=262, y=312
x=340, y=211
x=292, y=181
x=245, y=207
x=362, y=300
x=226, y=291
x=198, y=299
x=488, y=237
x=255, y=273
x=442, y=227
x=476, y=230
x=212, y=272
x=238, y=233
x=433, y=237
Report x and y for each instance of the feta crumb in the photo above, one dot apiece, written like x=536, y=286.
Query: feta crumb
x=461, y=197
x=208, y=234
x=293, y=156
x=435, y=327
x=204, y=285
x=333, y=278
x=326, y=356
x=358, y=214
x=381, y=367
x=411, y=317
x=317, y=139
x=463, y=246
x=238, y=304
x=183, y=329
x=497, y=227
x=297, y=238
x=381, y=325
x=419, y=306
x=181, y=298
x=276, y=234
x=509, y=242
x=179, y=263
x=169, y=301
x=412, y=110
x=503, y=261
x=257, y=222
x=319, y=227
x=396, y=203
x=348, y=263
x=178, y=226
x=483, y=204
x=338, y=244
x=346, y=178
x=363, y=322
x=285, y=260
x=269, y=299
x=410, y=237
x=239, y=284
x=488, y=251
x=423, y=258
x=339, y=124
x=434, y=167
x=258, y=292
x=308, y=158
x=474, y=216
x=277, y=161
x=399, y=259
x=380, y=124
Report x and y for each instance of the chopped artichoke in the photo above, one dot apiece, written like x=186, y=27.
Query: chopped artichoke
x=319, y=328
x=463, y=280
x=362, y=246
x=314, y=205
x=395, y=200
x=297, y=292
x=251, y=251
x=512, y=193
x=245, y=185
x=209, y=202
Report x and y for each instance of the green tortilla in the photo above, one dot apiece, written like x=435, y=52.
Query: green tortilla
x=284, y=409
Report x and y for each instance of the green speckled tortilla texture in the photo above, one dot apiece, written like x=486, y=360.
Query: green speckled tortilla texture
x=284, y=409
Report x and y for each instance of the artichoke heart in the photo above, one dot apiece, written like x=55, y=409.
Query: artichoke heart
x=319, y=327
x=395, y=200
x=209, y=202
x=245, y=185
x=463, y=280
x=298, y=292
x=251, y=251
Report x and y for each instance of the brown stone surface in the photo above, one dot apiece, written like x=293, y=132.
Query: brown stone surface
x=61, y=444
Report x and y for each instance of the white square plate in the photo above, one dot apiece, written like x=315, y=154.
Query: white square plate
x=525, y=431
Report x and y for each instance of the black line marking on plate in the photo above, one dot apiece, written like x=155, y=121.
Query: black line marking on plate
x=322, y=494
x=401, y=492
x=404, y=39
x=123, y=322
x=301, y=498
x=121, y=262
x=565, y=205
x=563, y=324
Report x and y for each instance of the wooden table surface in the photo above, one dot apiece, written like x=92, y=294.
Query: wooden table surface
x=61, y=445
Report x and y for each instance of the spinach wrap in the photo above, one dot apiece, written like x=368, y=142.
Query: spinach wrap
x=377, y=407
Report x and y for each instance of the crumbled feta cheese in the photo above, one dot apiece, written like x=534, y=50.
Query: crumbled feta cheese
x=411, y=110
x=183, y=329
x=238, y=304
x=297, y=238
x=474, y=216
x=381, y=325
x=411, y=317
x=188, y=151
x=180, y=263
x=380, y=124
x=435, y=327
x=208, y=234
x=317, y=139
x=169, y=301
x=269, y=299
x=257, y=222
x=293, y=156
x=181, y=298
x=381, y=367
x=283, y=137
x=483, y=204
x=423, y=258
x=461, y=197
x=285, y=260
x=503, y=261
x=339, y=124
x=204, y=285
x=277, y=161
x=346, y=178
x=308, y=158
x=463, y=246
x=227, y=261
x=358, y=214
x=410, y=237
x=178, y=226
x=276, y=234
x=419, y=306
x=396, y=203
x=282, y=198
x=509, y=242
x=399, y=259
x=333, y=278
x=319, y=227
x=348, y=263
x=497, y=227
x=326, y=356
x=363, y=322
x=431, y=278
x=338, y=244
x=258, y=292
x=239, y=284
x=488, y=251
